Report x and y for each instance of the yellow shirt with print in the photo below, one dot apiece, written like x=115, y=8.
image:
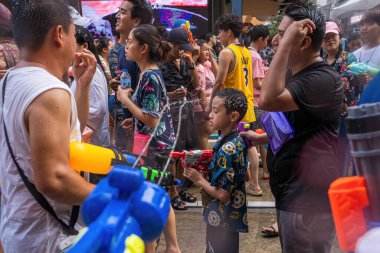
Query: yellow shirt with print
x=240, y=77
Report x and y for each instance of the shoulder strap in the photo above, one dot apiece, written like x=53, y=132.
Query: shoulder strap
x=68, y=229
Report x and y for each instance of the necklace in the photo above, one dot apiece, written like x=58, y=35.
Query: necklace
x=373, y=51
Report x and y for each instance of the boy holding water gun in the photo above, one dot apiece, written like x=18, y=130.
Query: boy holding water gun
x=224, y=196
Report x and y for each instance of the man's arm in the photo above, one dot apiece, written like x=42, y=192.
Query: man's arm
x=274, y=96
x=214, y=65
x=84, y=68
x=193, y=73
x=194, y=77
x=226, y=56
x=48, y=123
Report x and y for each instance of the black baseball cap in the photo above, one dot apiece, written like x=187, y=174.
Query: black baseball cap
x=180, y=37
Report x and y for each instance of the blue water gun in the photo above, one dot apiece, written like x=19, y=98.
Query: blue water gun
x=359, y=68
x=122, y=212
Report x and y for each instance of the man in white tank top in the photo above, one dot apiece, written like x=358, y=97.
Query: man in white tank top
x=41, y=118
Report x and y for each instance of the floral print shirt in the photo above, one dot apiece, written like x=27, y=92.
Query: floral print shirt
x=227, y=171
x=267, y=55
x=351, y=88
x=151, y=97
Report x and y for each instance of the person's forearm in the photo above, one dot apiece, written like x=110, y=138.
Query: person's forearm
x=257, y=83
x=219, y=194
x=136, y=111
x=274, y=81
x=194, y=78
x=214, y=66
x=263, y=139
x=66, y=186
x=203, y=99
x=82, y=99
x=217, y=87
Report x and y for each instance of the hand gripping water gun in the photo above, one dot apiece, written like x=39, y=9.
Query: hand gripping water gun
x=99, y=160
x=122, y=212
x=197, y=159
x=359, y=68
x=244, y=127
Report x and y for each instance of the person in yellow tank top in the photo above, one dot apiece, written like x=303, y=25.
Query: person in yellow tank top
x=235, y=62
x=235, y=71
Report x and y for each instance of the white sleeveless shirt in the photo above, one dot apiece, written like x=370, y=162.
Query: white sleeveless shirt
x=25, y=226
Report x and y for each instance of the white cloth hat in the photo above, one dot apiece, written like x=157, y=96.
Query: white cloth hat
x=78, y=20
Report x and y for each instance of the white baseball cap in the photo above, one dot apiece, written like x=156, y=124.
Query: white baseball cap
x=78, y=20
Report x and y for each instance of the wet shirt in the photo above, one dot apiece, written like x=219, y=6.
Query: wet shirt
x=151, y=97
x=227, y=171
x=303, y=169
x=267, y=55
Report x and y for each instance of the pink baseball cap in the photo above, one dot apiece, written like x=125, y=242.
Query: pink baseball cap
x=332, y=27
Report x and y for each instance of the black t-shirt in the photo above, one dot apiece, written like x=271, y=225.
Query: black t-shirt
x=302, y=171
x=175, y=78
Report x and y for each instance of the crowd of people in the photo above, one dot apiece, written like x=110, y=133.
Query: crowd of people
x=59, y=84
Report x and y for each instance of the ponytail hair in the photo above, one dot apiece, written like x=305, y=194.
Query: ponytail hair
x=159, y=49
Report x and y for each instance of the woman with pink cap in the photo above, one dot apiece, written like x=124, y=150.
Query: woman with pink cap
x=339, y=60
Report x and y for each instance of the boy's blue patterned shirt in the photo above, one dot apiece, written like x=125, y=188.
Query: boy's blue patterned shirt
x=227, y=171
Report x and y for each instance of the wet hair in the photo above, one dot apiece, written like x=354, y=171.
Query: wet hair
x=101, y=44
x=258, y=31
x=83, y=36
x=158, y=48
x=6, y=32
x=143, y=10
x=32, y=20
x=208, y=37
x=162, y=31
x=300, y=12
x=234, y=101
x=371, y=17
x=230, y=22
x=5, y=24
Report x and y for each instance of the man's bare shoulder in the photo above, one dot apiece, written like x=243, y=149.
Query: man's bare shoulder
x=226, y=52
x=55, y=100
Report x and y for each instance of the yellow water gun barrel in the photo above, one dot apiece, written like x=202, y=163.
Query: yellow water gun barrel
x=91, y=158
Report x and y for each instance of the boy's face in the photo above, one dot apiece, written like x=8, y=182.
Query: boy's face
x=219, y=119
x=369, y=31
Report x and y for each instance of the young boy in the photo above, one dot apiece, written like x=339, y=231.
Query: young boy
x=225, y=208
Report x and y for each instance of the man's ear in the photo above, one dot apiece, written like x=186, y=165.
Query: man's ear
x=306, y=43
x=235, y=116
x=58, y=34
x=136, y=22
x=229, y=32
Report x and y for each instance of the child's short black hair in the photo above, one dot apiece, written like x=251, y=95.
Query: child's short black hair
x=234, y=101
